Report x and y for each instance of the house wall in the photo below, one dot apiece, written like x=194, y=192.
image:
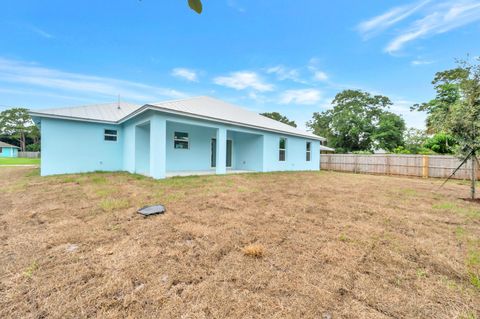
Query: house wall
x=295, y=154
x=198, y=156
x=247, y=151
x=75, y=147
x=9, y=152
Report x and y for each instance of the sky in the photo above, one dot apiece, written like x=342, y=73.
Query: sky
x=292, y=57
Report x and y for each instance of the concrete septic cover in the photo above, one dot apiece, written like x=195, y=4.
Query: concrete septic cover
x=151, y=210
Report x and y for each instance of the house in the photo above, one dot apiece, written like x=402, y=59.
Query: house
x=7, y=150
x=199, y=135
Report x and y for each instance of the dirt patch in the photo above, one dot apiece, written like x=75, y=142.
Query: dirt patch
x=332, y=245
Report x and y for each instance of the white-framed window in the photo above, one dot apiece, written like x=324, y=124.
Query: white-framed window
x=180, y=140
x=282, y=149
x=308, y=151
x=110, y=135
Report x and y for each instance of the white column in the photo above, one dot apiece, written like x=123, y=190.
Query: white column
x=158, y=150
x=221, y=151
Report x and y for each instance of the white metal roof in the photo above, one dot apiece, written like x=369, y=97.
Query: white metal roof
x=3, y=144
x=201, y=107
x=107, y=112
x=326, y=148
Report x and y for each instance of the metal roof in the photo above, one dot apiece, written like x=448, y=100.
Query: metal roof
x=203, y=107
x=107, y=112
x=3, y=144
x=326, y=148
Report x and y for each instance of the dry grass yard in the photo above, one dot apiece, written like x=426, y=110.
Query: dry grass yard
x=279, y=245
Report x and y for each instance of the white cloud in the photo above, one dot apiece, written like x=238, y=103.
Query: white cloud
x=244, y=80
x=184, y=73
x=432, y=17
x=235, y=5
x=413, y=119
x=32, y=75
x=284, y=73
x=301, y=96
x=419, y=62
x=41, y=32
x=393, y=16
x=320, y=76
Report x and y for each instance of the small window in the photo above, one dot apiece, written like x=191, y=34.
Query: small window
x=1, y=150
x=309, y=151
x=282, y=148
x=180, y=140
x=110, y=135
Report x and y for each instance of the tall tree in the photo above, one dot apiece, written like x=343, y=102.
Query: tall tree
x=455, y=110
x=388, y=133
x=279, y=117
x=359, y=121
x=16, y=123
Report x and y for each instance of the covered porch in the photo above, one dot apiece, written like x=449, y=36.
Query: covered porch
x=167, y=147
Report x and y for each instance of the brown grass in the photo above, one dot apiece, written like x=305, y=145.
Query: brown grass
x=350, y=246
x=255, y=250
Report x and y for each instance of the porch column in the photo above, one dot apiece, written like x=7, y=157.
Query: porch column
x=221, y=157
x=158, y=150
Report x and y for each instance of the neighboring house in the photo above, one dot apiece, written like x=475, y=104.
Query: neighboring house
x=326, y=150
x=199, y=135
x=7, y=150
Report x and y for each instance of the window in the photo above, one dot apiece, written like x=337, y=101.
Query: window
x=282, y=149
x=1, y=150
x=309, y=149
x=180, y=140
x=110, y=135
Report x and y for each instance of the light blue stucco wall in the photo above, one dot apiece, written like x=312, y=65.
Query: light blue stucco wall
x=145, y=145
x=9, y=152
x=75, y=147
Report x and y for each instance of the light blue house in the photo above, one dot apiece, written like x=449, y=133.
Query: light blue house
x=199, y=135
x=7, y=150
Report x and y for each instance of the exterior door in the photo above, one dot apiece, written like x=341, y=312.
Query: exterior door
x=213, y=158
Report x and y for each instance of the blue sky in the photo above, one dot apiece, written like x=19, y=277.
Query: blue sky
x=285, y=56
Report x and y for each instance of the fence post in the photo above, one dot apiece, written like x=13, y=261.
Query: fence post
x=387, y=168
x=355, y=162
x=425, y=166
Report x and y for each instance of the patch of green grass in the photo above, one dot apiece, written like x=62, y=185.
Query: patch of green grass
x=475, y=280
x=31, y=269
x=454, y=208
x=421, y=273
x=111, y=204
x=344, y=238
x=98, y=179
x=104, y=192
x=468, y=315
x=460, y=232
x=408, y=191
x=19, y=161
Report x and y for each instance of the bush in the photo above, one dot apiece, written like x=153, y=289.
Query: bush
x=33, y=148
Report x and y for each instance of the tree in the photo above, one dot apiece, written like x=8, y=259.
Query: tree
x=413, y=140
x=359, y=121
x=455, y=110
x=441, y=143
x=279, y=117
x=16, y=123
x=389, y=132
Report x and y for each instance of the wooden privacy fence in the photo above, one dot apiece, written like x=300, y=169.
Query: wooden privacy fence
x=29, y=154
x=395, y=164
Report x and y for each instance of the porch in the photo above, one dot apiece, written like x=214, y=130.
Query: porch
x=166, y=147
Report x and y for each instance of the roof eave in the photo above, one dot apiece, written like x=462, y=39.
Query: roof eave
x=159, y=108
